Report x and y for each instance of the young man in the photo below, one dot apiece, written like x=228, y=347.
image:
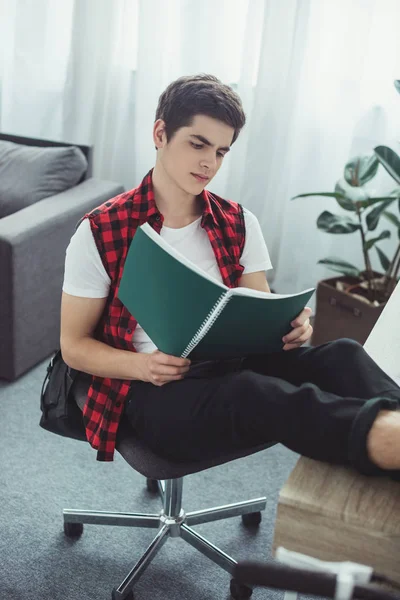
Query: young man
x=330, y=403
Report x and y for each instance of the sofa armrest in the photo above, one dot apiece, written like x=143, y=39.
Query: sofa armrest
x=32, y=255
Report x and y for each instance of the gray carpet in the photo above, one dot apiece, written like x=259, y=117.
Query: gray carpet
x=42, y=473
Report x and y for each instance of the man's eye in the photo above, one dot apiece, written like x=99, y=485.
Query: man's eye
x=221, y=154
x=197, y=146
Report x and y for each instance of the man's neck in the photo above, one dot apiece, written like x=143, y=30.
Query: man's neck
x=177, y=207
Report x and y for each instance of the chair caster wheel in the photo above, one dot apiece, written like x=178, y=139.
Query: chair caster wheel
x=239, y=591
x=152, y=485
x=73, y=530
x=251, y=519
x=117, y=595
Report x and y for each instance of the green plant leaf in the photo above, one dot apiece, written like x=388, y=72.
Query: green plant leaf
x=392, y=218
x=342, y=199
x=339, y=194
x=360, y=169
x=372, y=201
x=385, y=262
x=390, y=160
x=372, y=218
x=327, y=194
x=340, y=266
x=336, y=224
x=383, y=236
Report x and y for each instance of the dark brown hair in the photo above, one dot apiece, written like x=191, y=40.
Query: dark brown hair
x=202, y=94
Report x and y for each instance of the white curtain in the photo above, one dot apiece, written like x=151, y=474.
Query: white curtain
x=315, y=76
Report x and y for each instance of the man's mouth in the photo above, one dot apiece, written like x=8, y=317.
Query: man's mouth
x=201, y=178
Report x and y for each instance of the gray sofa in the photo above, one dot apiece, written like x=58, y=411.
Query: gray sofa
x=33, y=241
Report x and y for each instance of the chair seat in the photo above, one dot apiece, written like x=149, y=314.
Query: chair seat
x=141, y=458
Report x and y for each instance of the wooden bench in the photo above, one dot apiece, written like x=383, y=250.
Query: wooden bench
x=334, y=513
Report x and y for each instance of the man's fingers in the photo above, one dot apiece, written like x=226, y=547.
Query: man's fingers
x=170, y=371
x=167, y=371
x=168, y=359
x=302, y=317
x=299, y=341
x=162, y=379
x=297, y=332
x=292, y=345
x=304, y=337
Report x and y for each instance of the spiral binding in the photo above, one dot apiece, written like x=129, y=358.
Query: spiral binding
x=207, y=323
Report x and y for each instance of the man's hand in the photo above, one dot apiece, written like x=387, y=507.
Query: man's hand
x=301, y=331
x=159, y=368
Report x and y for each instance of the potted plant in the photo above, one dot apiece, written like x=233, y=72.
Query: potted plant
x=350, y=304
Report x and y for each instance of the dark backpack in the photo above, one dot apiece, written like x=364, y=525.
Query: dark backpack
x=60, y=413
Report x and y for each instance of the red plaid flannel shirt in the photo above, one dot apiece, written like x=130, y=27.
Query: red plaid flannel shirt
x=113, y=225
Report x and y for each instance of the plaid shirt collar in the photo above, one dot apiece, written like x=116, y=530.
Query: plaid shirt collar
x=148, y=207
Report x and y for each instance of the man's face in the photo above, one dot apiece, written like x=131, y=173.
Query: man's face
x=194, y=154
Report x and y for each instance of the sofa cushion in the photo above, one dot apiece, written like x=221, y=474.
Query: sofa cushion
x=30, y=173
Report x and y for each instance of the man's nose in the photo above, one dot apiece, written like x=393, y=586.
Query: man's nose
x=209, y=162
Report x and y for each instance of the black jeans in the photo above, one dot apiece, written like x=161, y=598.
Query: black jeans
x=318, y=401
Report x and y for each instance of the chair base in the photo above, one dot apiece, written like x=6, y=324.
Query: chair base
x=172, y=521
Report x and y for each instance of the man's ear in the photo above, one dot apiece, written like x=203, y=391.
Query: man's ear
x=159, y=133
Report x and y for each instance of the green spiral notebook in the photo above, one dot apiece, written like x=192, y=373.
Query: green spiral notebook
x=186, y=312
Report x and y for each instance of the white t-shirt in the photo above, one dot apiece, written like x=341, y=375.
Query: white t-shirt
x=85, y=275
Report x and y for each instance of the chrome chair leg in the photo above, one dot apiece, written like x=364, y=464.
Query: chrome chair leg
x=207, y=548
x=135, y=573
x=98, y=517
x=226, y=511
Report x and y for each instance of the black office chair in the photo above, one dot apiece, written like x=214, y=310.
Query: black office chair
x=166, y=478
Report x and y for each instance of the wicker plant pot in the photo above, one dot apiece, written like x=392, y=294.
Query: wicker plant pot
x=340, y=314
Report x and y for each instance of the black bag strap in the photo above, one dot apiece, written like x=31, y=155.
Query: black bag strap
x=49, y=369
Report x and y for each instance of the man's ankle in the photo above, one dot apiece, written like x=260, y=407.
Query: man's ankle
x=383, y=440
